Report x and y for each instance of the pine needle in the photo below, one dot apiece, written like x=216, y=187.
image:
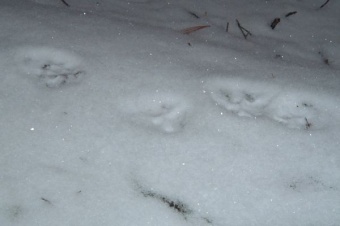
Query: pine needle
x=190, y=30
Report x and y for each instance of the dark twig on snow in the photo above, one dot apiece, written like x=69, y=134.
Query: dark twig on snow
x=324, y=4
x=244, y=31
x=46, y=200
x=324, y=59
x=194, y=15
x=65, y=3
x=290, y=13
x=275, y=22
x=227, y=28
x=307, y=124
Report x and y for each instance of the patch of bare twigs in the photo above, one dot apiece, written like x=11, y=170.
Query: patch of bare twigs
x=190, y=30
x=277, y=20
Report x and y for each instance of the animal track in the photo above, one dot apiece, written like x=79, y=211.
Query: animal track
x=294, y=113
x=164, y=112
x=253, y=98
x=241, y=102
x=51, y=67
x=242, y=97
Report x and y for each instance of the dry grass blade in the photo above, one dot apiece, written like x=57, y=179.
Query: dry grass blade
x=189, y=30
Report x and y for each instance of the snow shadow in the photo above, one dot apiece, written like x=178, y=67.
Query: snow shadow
x=163, y=112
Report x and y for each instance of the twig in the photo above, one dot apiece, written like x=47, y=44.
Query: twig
x=227, y=28
x=275, y=22
x=324, y=59
x=324, y=4
x=307, y=124
x=244, y=31
x=46, y=200
x=65, y=3
x=193, y=29
x=194, y=15
x=290, y=13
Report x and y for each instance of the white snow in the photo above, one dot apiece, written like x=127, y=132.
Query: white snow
x=110, y=115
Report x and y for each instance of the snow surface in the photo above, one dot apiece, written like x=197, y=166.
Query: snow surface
x=110, y=115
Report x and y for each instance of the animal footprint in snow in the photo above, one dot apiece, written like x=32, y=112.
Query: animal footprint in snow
x=50, y=66
x=253, y=98
x=290, y=110
x=163, y=112
x=245, y=98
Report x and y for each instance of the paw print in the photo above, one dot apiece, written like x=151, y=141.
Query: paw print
x=291, y=108
x=51, y=67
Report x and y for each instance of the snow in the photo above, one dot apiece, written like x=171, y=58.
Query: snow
x=110, y=115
